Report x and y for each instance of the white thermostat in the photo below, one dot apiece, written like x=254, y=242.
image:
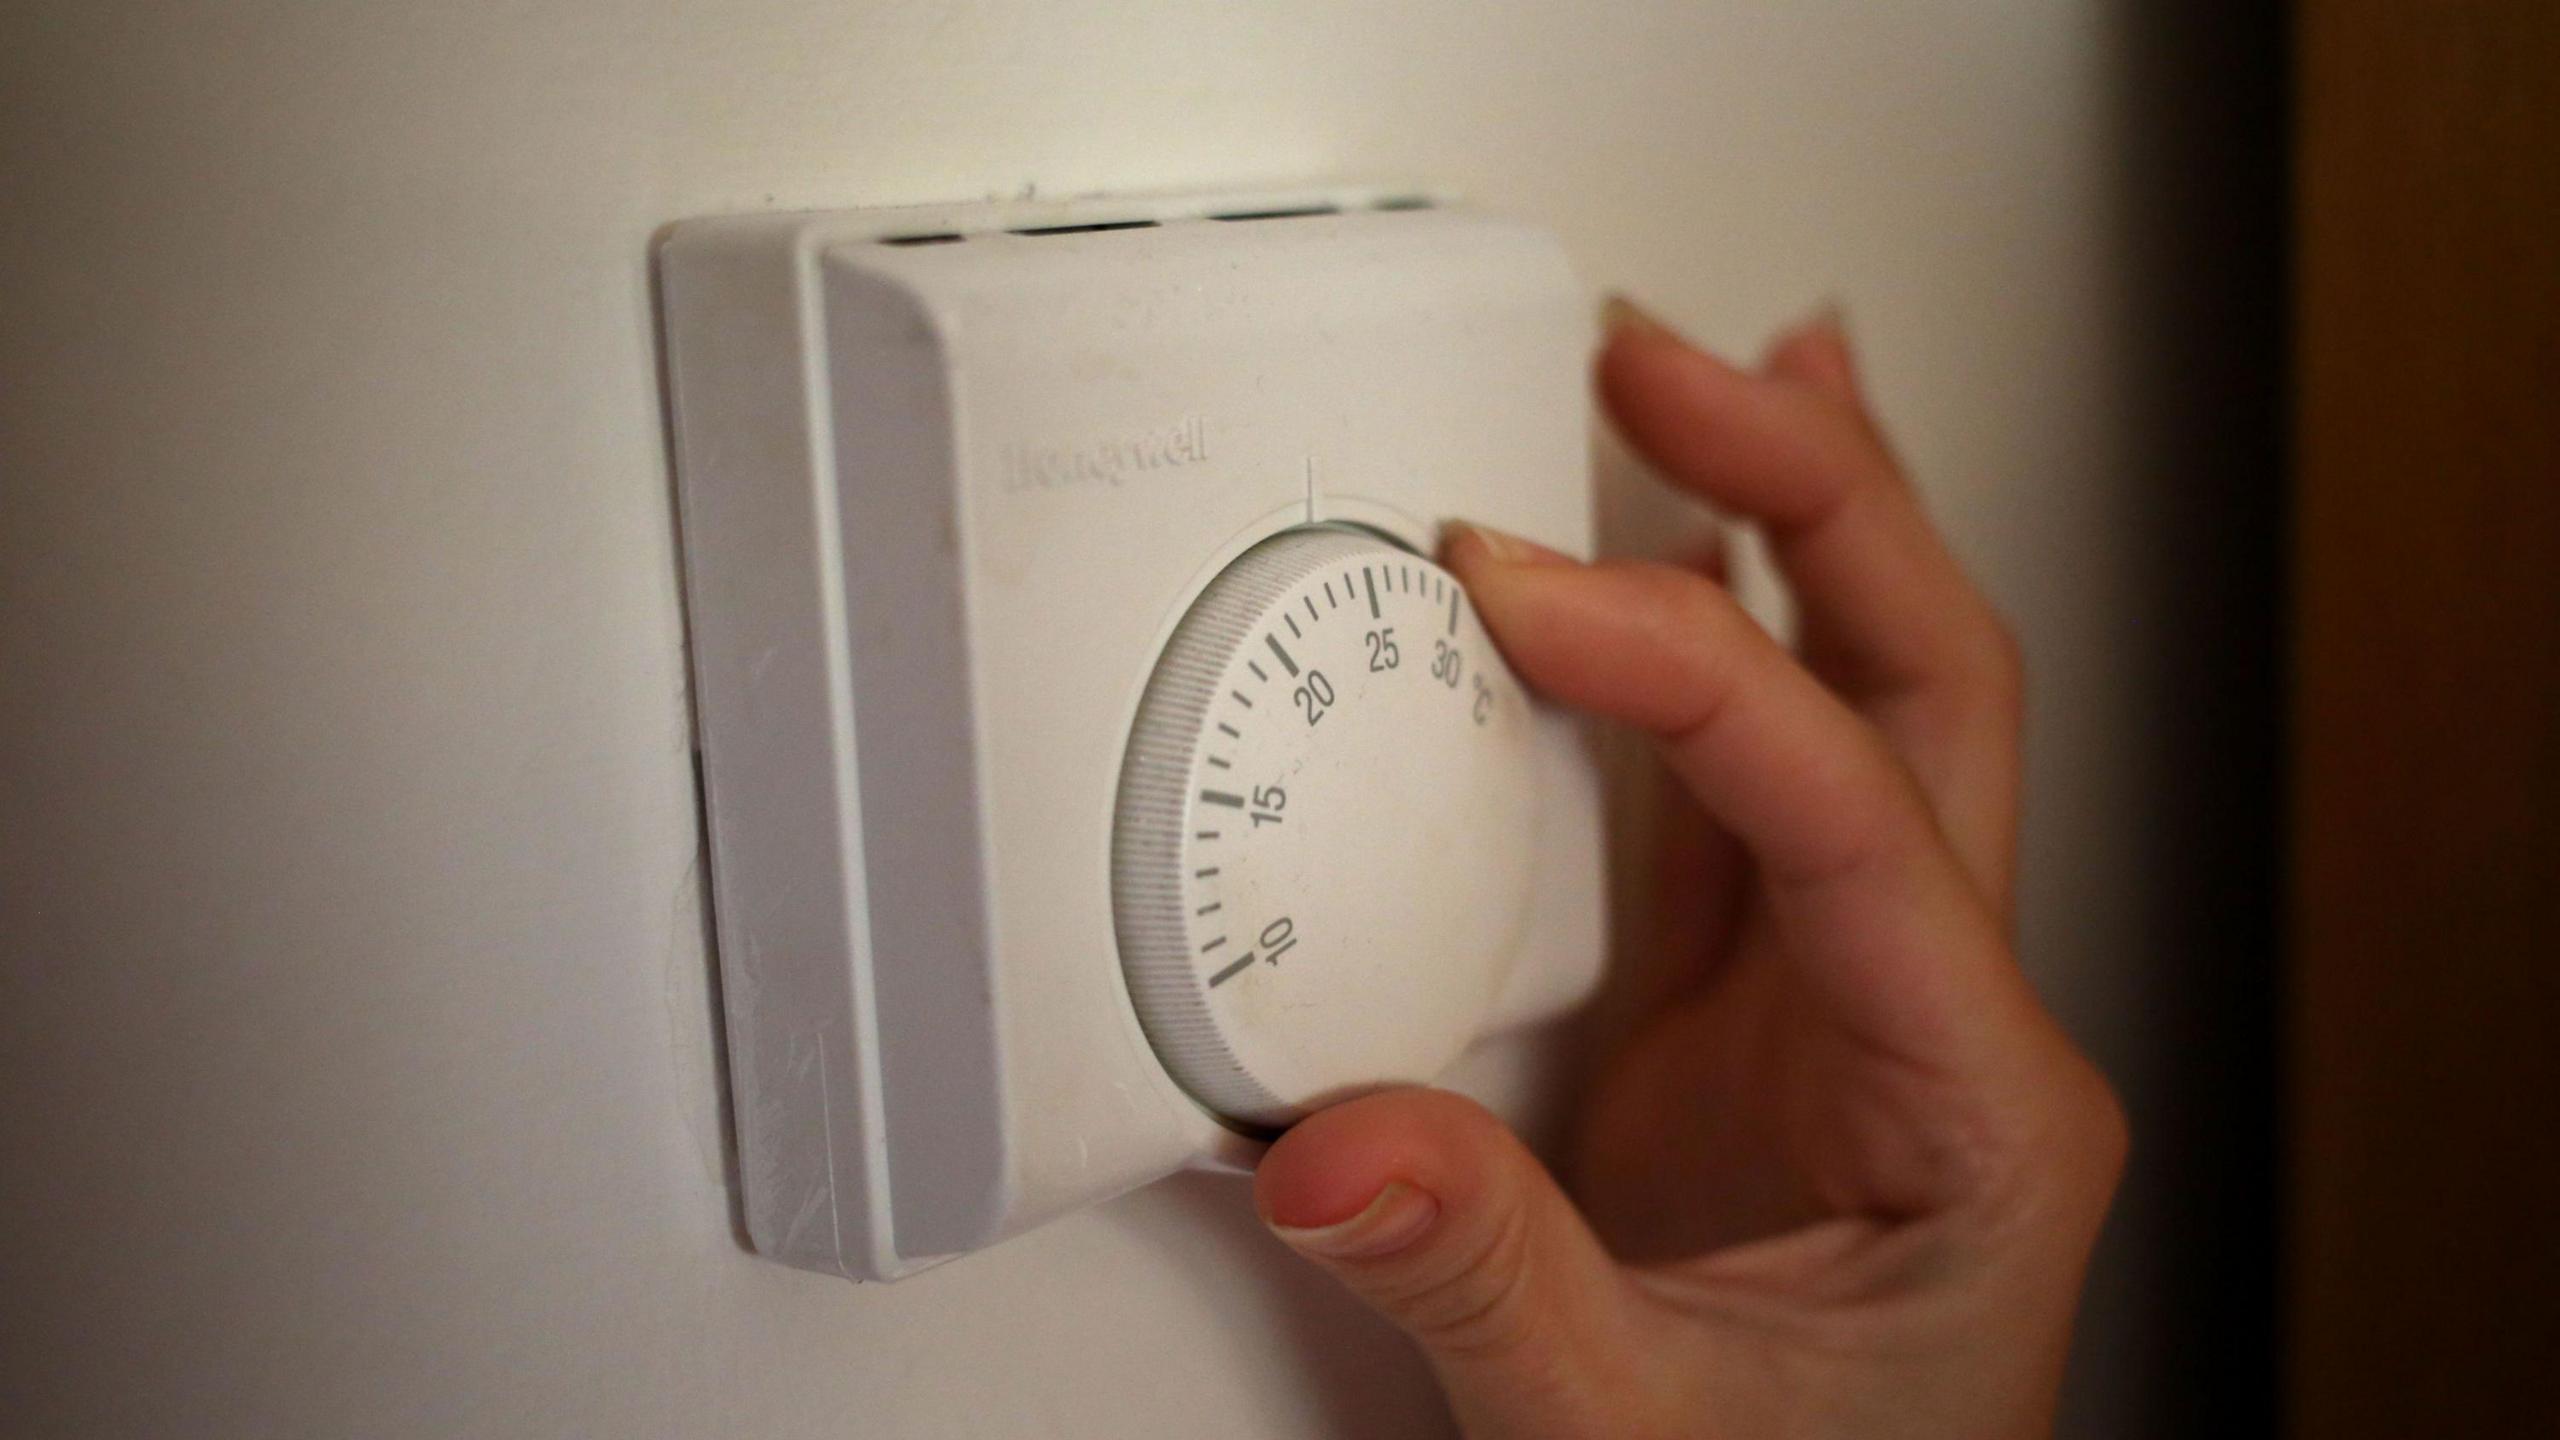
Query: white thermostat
x=1100, y=773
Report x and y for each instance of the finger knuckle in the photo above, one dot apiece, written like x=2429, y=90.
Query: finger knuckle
x=1692, y=629
x=2089, y=1136
x=1475, y=1304
x=2052, y=1162
x=2109, y=1127
x=1672, y=592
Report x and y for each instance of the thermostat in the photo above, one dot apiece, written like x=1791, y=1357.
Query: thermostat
x=1100, y=773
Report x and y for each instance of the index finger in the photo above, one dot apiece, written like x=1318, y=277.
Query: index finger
x=1876, y=909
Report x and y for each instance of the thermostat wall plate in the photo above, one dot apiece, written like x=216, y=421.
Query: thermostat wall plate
x=1100, y=773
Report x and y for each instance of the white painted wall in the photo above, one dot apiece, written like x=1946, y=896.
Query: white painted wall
x=357, y=1039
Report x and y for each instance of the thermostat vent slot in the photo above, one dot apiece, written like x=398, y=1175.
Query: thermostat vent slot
x=1085, y=229
x=1298, y=212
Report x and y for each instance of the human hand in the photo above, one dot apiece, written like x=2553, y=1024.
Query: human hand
x=1847, y=1180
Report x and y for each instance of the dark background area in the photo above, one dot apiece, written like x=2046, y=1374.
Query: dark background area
x=2203, y=101
x=2424, y=920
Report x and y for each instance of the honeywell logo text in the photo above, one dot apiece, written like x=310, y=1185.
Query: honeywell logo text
x=1111, y=461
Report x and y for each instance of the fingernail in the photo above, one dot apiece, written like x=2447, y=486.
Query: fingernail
x=1622, y=316
x=1501, y=547
x=1393, y=1220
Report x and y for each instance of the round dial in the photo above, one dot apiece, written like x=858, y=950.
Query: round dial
x=1322, y=848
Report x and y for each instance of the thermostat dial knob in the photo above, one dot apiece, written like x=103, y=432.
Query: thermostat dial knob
x=1322, y=845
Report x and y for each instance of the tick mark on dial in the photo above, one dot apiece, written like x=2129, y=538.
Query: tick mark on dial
x=1329, y=602
x=1204, y=872
x=1312, y=616
x=1372, y=580
x=1204, y=834
x=1211, y=908
x=1220, y=763
x=1214, y=944
x=1453, y=612
x=1230, y=731
x=1221, y=797
x=1274, y=642
x=1234, y=969
x=1240, y=697
x=1257, y=671
x=1294, y=632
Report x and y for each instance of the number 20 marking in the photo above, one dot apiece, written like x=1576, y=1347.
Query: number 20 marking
x=1315, y=696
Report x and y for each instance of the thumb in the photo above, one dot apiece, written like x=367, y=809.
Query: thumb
x=1425, y=1207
